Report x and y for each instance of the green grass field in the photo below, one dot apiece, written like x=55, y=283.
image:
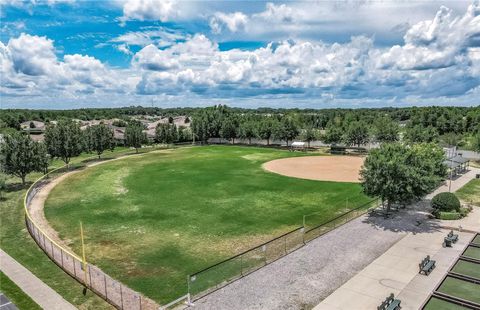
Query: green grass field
x=152, y=220
x=16, y=295
x=470, y=192
x=473, y=252
x=476, y=240
x=462, y=289
x=467, y=268
x=438, y=304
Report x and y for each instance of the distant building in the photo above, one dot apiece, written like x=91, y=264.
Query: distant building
x=33, y=126
x=119, y=135
x=181, y=121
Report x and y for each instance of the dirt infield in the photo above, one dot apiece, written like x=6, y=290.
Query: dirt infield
x=323, y=168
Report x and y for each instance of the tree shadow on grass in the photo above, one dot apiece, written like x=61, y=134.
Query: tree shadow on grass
x=415, y=218
x=15, y=187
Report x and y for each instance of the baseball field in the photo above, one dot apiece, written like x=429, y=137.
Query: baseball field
x=151, y=220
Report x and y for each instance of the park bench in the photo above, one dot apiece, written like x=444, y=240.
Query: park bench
x=450, y=238
x=390, y=303
x=427, y=265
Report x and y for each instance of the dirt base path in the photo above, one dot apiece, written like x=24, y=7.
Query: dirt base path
x=323, y=168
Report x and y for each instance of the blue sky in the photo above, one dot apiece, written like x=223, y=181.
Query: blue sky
x=72, y=54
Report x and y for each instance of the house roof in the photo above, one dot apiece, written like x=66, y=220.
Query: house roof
x=38, y=125
x=459, y=159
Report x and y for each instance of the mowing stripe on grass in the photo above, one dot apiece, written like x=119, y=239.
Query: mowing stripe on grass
x=439, y=304
x=476, y=240
x=461, y=289
x=472, y=252
x=467, y=268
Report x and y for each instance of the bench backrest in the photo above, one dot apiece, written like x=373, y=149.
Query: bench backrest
x=425, y=261
x=387, y=302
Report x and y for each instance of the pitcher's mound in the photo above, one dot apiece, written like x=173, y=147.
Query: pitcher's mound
x=323, y=168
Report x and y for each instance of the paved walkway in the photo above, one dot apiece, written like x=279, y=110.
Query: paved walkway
x=456, y=183
x=396, y=271
x=41, y=293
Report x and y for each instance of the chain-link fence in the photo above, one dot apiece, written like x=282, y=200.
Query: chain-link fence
x=316, y=231
x=217, y=276
x=87, y=274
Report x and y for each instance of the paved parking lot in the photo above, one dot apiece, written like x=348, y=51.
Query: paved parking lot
x=5, y=303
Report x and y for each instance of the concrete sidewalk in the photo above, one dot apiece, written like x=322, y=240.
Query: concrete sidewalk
x=396, y=272
x=41, y=293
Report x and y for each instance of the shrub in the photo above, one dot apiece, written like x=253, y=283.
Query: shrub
x=449, y=215
x=445, y=202
x=465, y=210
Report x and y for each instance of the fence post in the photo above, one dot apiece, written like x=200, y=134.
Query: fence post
x=241, y=265
x=105, y=282
x=53, y=255
x=264, y=249
x=90, y=275
x=121, y=294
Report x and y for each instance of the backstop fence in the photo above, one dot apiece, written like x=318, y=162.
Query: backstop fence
x=92, y=277
x=217, y=276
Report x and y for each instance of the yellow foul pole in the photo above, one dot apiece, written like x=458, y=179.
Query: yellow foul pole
x=83, y=255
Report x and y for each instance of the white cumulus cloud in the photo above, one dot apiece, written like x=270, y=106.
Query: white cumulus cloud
x=162, y=10
x=233, y=22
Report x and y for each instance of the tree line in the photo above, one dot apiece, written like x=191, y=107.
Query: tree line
x=351, y=127
x=20, y=155
x=436, y=121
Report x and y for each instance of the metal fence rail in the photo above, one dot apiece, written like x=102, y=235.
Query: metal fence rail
x=92, y=277
x=219, y=275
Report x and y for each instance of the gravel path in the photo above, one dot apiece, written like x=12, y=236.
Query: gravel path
x=304, y=278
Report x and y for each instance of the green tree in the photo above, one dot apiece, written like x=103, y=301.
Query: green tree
x=229, y=129
x=248, y=130
x=450, y=139
x=99, y=138
x=356, y=134
x=265, y=129
x=476, y=142
x=286, y=130
x=333, y=135
x=3, y=184
x=43, y=158
x=386, y=130
x=308, y=135
x=65, y=140
x=200, y=127
x=399, y=173
x=19, y=156
x=134, y=136
x=417, y=134
x=166, y=133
